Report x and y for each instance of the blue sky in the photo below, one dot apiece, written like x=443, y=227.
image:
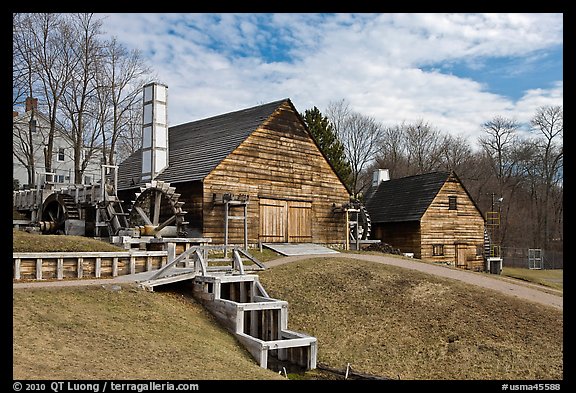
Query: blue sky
x=454, y=71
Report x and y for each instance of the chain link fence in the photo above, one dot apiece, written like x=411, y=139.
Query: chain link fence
x=532, y=258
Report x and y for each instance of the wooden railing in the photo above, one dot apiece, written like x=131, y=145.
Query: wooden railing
x=67, y=265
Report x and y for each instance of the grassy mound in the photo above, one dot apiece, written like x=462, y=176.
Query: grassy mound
x=121, y=332
x=403, y=324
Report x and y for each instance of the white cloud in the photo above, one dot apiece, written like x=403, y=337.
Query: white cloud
x=213, y=64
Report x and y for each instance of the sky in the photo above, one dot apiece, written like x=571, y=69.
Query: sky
x=452, y=71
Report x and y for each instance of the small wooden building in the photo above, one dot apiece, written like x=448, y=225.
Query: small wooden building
x=430, y=215
x=261, y=161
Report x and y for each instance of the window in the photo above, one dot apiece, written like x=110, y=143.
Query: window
x=87, y=179
x=60, y=154
x=452, y=203
x=32, y=125
x=437, y=250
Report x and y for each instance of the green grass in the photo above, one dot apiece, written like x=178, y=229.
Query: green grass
x=553, y=278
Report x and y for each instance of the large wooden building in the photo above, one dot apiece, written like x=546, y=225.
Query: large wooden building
x=430, y=215
x=260, y=163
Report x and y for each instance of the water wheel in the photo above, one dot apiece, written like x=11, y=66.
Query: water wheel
x=157, y=210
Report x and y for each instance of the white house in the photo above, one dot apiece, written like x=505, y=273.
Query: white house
x=63, y=156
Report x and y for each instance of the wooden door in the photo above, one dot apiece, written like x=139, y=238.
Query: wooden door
x=273, y=221
x=299, y=222
x=284, y=221
x=460, y=255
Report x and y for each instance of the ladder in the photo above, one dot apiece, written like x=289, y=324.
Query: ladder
x=232, y=201
x=110, y=214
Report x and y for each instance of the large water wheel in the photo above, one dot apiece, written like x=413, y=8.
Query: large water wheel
x=157, y=211
x=56, y=209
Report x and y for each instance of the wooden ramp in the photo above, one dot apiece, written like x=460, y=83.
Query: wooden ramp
x=291, y=249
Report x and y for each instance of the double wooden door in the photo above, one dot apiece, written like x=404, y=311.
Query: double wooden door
x=283, y=221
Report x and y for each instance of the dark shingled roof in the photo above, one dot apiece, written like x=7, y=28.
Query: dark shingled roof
x=405, y=199
x=196, y=148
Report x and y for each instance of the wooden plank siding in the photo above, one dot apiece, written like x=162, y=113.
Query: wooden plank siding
x=460, y=229
x=278, y=161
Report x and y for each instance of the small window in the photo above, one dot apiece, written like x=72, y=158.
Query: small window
x=437, y=250
x=32, y=125
x=452, y=203
x=61, y=154
x=87, y=179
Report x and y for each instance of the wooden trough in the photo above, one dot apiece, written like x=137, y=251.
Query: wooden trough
x=239, y=302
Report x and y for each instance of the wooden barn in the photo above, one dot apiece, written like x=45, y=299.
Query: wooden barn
x=254, y=175
x=430, y=215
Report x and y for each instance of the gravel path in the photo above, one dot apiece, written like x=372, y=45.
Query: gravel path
x=508, y=286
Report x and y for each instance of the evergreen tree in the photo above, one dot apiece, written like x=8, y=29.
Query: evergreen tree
x=323, y=132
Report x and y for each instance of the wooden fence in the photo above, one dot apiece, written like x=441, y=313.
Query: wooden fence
x=66, y=265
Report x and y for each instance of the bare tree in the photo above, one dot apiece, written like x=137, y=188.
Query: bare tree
x=361, y=136
x=548, y=124
x=498, y=144
x=455, y=154
x=423, y=146
x=131, y=139
x=51, y=48
x=79, y=99
x=392, y=152
x=24, y=74
x=23, y=68
x=121, y=77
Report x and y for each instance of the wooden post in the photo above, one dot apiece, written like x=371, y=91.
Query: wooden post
x=254, y=323
x=313, y=355
x=80, y=267
x=38, y=268
x=60, y=268
x=347, y=244
x=226, y=207
x=115, y=267
x=171, y=252
x=132, y=264
x=246, y=226
x=17, y=268
x=357, y=234
x=98, y=267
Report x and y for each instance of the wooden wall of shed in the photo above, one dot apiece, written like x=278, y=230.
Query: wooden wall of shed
x=191, y=194
x=463, y=227
x=278, y=161
x=402, y=235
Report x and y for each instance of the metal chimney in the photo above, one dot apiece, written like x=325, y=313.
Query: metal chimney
x=379, y=176
x=154, y=130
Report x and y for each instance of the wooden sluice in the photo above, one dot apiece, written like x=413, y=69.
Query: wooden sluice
x=231, y=292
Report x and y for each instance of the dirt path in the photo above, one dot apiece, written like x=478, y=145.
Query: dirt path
x=508, y=286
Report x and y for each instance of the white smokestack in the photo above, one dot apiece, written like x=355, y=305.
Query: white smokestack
x=154, y=130
x=379, y=176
